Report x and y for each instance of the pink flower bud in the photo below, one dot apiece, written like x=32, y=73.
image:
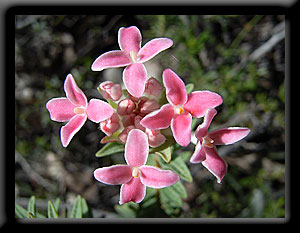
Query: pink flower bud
x=137, y=123
x=155, y=138
x=110, y=125
x=149, y=106
x=126, y=107
x=111, y=91
x=153, y=87
x=128, y=120
x=123, y=135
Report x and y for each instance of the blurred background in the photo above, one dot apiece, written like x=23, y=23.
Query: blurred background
x=240, y=57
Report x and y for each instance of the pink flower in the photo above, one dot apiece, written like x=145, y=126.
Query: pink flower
x=205, y=150
x=135, y=176
x=132, y=56
x=111, y=91
x=75, y=109
x=181, y=108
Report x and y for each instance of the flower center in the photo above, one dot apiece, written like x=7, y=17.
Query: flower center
x=208, y=142
x=179, y=110
x=136, y=172
x=133, y=56
x=79, y=110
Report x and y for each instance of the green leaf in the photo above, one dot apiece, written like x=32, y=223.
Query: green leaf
x=31, y=206
x=189, y=88
x=57, y=204
x=51, y=210
x=113, y=138
x=178, y=166
x=165, y=154
x=110, y=148
x=76, y=211
x=20, y=212
x=127, y=210
x=179, y=189
x=85, y=209
x=164, y=150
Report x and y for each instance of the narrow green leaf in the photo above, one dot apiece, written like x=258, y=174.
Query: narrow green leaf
x=110, y=148
x=170, y=198
x=20, y=212
x=179, y=189
x=76, y=211
x=85, y=208
x=165, y=154
x=127, y=210
x=57, y=204
x=113, y=138
x=31, y=206
x=164, y=150
x=189, y=88
x=113, y=104
x=51, y=210
x=178, y=165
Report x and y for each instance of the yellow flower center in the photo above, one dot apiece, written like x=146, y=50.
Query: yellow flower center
x=179, y=110
x=133, y=56
x=136, y=172
x=208, y=142
x=79, y=110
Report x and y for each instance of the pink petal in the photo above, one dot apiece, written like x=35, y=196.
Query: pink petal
x=99, y=110
x=199, y=101
x=116, y=174
x=68, y=131
x=154, y=177
x=74, y=93
x=214, y=163
x=129, y=39
x=175, y=88
x=202, y=129
x=181, y=128
x=136, y=148
x=153, y=47
x=199, y=154
x=111, y=59
x=60, y=109
x=159, y=119
x=134, y=78
x=134, y=191
x=229, y=135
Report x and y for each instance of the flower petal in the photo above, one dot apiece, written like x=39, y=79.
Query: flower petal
x=60, y=109
x=229, y=135
x=159, y=119
x=199, y=101
x=154, y=177
x=136, y=148
x=181, y=128
x=134, y=78
x=129, y=39
x=214, y=163
x=99, y=110
x=202, y=129
x=199, y=154
x=111, y=59
x=116, y=174
x=68, y=131
x=134, y=191
x=175, y=88
x=74, y=93
x=153, y=47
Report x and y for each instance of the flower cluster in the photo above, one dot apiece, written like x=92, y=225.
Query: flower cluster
x=136, y=117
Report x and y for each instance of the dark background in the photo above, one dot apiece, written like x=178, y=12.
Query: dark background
x=222, y=53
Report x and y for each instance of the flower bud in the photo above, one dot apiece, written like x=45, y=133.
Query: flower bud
x=125, y=107
x=110, y=125
x=111, y=91
x=124, y=134
x=128, y=120
x=149, y=106
x=155, y=138
x=153, y=87
x=137, y=123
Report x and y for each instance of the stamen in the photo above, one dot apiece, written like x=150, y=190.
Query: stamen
x=133, y=56
x=179, y=110
x=208, y=142
x=79, y=110
x=135, y=172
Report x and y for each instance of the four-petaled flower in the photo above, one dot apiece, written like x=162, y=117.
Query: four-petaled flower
x=205, y=150
x=75, y=109
x=132, y=56
x=181, y=108
x=135, y=176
